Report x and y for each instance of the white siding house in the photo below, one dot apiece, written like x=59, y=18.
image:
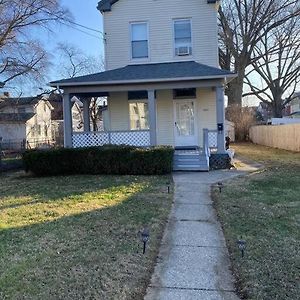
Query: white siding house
x=25, y=119
x=162, y=81
x=160, y=17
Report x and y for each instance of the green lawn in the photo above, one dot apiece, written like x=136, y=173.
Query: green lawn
x=76, y=237
x=264, y=208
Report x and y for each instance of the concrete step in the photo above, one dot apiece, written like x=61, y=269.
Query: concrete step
x=186, y=161
x=190, y=168
x=190, y=161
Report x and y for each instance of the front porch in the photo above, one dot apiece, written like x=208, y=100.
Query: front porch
x=172, y=107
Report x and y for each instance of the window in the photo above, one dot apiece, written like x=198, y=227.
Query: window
x=139, y=40
x=183, y=37
x=138, y=114
x=184, y=93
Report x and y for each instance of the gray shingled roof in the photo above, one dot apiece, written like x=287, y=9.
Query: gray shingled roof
x=149, y=73
x=105, y=5
x=17, y=117
x=19, y=101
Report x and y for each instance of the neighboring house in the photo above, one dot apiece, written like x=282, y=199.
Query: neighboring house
x=162, y=81
x=286, y=120
x=265, y=111
x=294, y=105
x=25, y=119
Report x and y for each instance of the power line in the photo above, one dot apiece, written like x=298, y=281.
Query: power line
x=84, y=26
x=66, y=21
x=87, y=33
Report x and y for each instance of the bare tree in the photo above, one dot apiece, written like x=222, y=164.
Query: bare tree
x=278, y=67
x=22, y=56
x=243, y=24
x=74, y=62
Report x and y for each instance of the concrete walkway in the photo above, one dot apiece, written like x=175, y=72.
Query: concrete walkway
x=193, y=261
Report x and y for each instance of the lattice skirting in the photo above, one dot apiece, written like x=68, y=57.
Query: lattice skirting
x=132, y=138
x=212, y=139
x=219, y=161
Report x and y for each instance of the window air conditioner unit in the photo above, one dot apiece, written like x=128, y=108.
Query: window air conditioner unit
x=183, y=50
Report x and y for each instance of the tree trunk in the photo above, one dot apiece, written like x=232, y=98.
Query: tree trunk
x=234, y=89
x=277, y=108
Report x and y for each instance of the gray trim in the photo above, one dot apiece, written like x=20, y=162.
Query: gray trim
x=220, y=105
x=67, y=121
x=146, y=73
x=152, y=116
x=147, y=86
x=105, y=5
x=110, y=131
x=125, y=82
x=86, y=114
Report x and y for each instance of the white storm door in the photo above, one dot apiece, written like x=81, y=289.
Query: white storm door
x=185, y=124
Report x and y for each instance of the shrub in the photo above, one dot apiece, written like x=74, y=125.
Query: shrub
x=100, y=160
x=243, y=118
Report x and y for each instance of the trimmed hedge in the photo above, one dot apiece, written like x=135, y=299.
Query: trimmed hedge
x=123, y=160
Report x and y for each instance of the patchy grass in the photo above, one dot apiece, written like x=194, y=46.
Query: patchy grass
x=76, y=237
x=264, y=209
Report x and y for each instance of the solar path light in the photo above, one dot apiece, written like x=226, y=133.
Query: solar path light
x=145, y=238
x=220, y=186
x=242, y=246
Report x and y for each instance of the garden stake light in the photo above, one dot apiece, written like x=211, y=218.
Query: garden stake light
x=242, y=246
x=220, y=186
x=145, y=238
x=168, y=184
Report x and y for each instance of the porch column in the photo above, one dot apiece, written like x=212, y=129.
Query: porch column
x=152, y=116
x=220, y=106
x=67, y=121
x=86, y=114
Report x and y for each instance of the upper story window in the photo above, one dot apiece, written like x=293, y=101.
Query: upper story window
x=183, y=37
x=139, y=40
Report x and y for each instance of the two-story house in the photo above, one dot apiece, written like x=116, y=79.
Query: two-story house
x=25, y=120
x=162, y=81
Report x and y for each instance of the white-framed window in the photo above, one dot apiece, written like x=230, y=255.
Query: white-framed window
x=183, y=37
x=138, y=115
x=139, y=40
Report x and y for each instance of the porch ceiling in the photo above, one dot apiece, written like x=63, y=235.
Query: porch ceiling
x=143, y=76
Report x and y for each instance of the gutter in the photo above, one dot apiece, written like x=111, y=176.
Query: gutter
x=139, y=81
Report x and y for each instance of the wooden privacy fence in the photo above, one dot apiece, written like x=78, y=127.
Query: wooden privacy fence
x=277, y=136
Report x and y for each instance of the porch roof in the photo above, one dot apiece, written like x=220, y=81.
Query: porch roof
x=149, y=73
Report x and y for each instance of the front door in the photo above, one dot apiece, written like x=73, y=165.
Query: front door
x=185, y=125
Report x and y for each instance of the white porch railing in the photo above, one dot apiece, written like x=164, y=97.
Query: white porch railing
x=213, y=139
x=139, y=138
x=210, y=140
